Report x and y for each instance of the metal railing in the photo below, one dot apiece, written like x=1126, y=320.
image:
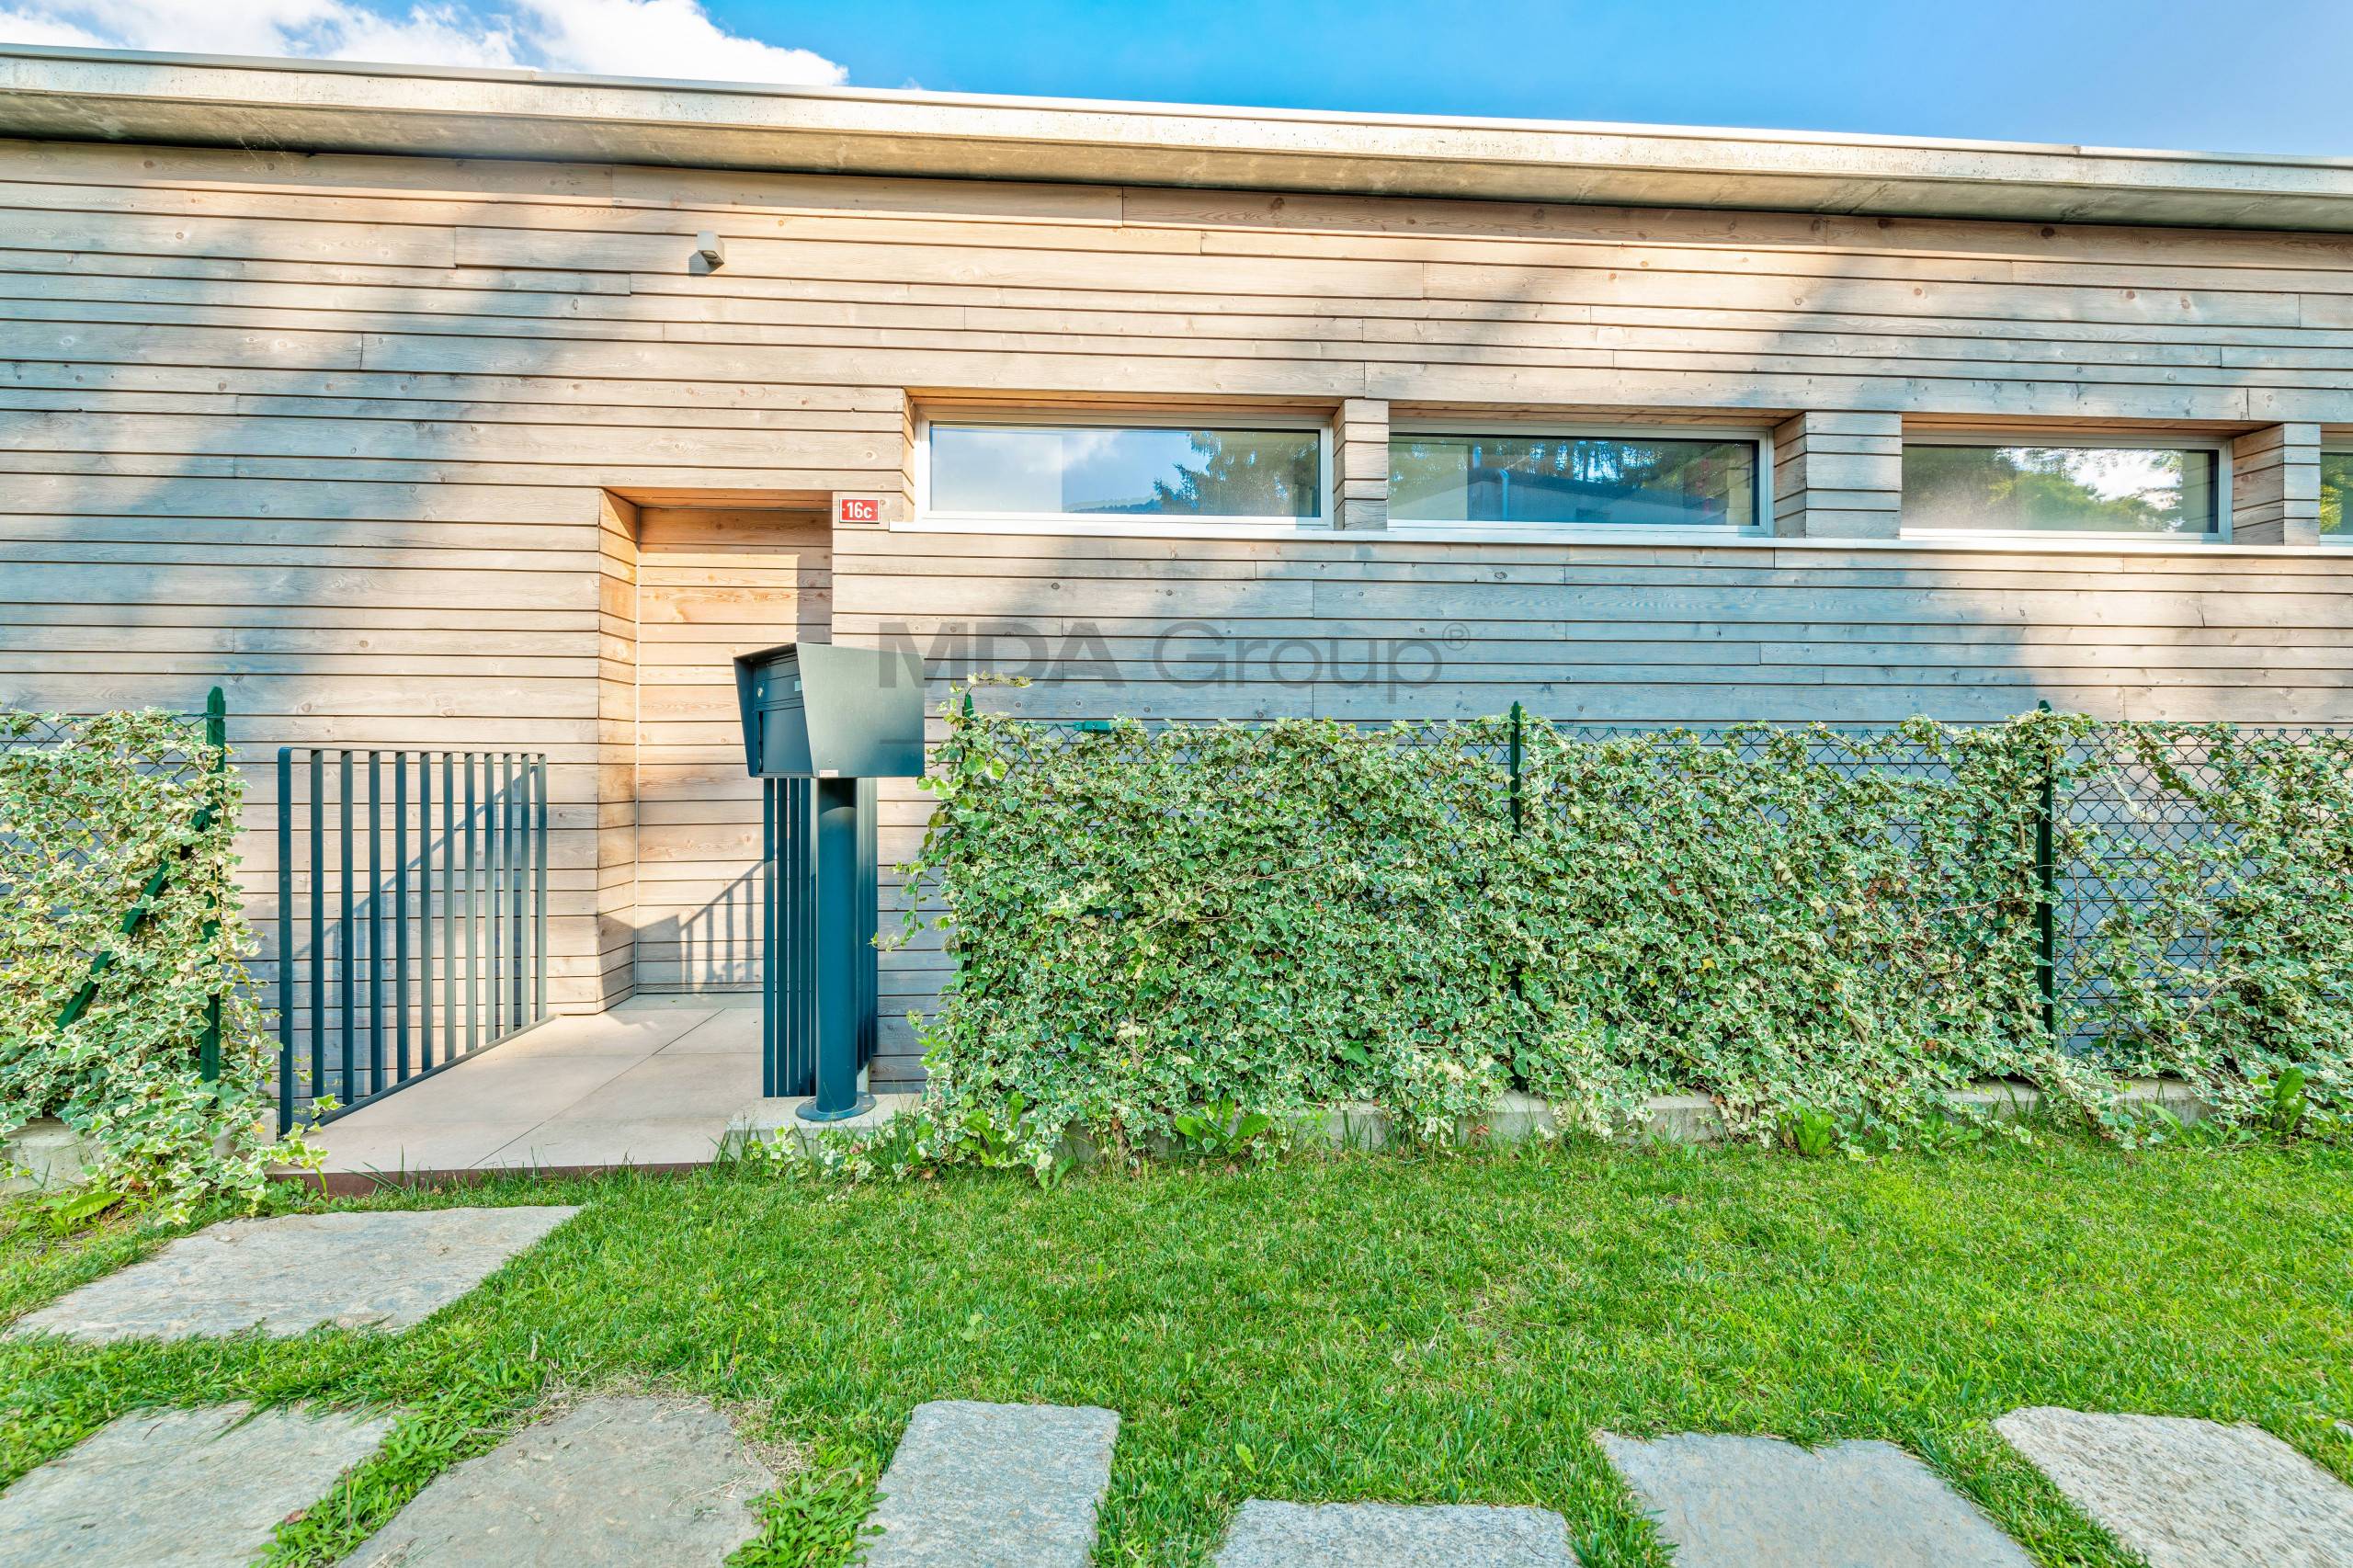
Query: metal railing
x=412, y=933
x=789, y=950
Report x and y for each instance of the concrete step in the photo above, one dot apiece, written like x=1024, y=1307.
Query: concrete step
x=995, y=1487
x=616, y=1482
x=289, y=1275
x=1392, y=1535
x=2186, y=1493
x=180, y=1488
x=1725, y=1502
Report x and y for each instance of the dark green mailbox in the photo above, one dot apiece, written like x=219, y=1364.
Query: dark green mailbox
x=821, y=724
x=818, y=710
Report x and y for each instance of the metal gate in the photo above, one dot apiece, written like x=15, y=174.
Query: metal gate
x=415, y=932
x=792, y=969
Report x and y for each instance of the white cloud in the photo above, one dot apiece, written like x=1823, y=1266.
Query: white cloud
x=634, y=38
x=24, y=27
x=664, y=37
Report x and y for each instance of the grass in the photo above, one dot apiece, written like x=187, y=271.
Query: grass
x=1351, y=1327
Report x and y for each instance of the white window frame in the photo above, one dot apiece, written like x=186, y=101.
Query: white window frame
x=1760, y=526
x=1145, y=524
x=2337, y=449
x=2219, y=445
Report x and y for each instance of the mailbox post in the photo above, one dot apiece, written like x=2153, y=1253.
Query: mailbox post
x=821, y=724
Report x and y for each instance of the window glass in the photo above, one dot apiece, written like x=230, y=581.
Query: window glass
x=2148, y=490
x=1114, y=470
x=2335, y=483
x=1619, y=479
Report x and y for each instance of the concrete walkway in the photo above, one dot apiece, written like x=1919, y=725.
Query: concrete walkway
x=663, y=1082
x=636, y=1481
x=657, y=1081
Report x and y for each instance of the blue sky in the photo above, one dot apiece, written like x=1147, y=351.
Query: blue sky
x=2250, y=76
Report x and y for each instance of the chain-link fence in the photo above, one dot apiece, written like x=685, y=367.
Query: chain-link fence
x=2130, y=822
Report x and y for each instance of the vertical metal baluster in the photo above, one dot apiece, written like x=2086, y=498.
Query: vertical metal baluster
x=768, y=987
x=425, y=910
x=789, y=952
x=449, y=906
x=493, y=877
x=349, y=968
x=494, y=802
x=400, y=913
x=539, y=893
x=502, y=926
x=375, y=923
x=473, y=938
x=803, y=929
x=490, y=895
x=814, y=924
x=285, y=940
x=318, y=924
x=518, y=821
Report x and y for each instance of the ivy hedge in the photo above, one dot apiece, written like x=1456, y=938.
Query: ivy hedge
x=90, y=810
x=1156, y=923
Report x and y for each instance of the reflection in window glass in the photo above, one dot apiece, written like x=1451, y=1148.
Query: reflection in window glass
x=2148, y=490
x=1558, y=479
x=2336, y=482
x=1106, y=470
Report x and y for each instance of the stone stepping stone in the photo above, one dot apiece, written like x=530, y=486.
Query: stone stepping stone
x=1392, y=1535
x=2187, y=1494
x=179, y=1488
x=1725, y=1502
x=287, y=1276
x=995, y=1487
x=620, y=1482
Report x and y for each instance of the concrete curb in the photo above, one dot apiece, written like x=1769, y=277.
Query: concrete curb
x=1516, y=1118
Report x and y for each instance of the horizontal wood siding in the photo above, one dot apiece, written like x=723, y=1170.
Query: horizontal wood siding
x=344, y=434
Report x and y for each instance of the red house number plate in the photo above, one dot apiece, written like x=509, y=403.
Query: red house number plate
x=860, y=509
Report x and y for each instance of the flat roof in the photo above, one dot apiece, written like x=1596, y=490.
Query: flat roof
x=330, y=106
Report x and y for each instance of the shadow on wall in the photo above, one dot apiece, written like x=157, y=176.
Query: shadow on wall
x=1743, y=317
x=713, y=947
x=332, y=454
x=344, y=457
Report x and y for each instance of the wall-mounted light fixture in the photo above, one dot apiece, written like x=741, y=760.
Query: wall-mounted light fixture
x=709, y=255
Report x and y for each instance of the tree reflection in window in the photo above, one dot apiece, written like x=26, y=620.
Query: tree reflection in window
x=1113, y=469
x=1613, y=480
x=1244, y=473
x=2146, y=490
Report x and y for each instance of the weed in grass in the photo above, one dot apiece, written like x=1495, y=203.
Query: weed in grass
x=818, y=1520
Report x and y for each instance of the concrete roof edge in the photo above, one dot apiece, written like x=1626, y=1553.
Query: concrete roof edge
x=334, y=105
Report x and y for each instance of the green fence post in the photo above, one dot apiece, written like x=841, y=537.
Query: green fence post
x=2046, y=870
x=1516, y=716
x=216, y=741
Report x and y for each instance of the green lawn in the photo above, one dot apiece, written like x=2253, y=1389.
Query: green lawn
x=1357, y=1326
